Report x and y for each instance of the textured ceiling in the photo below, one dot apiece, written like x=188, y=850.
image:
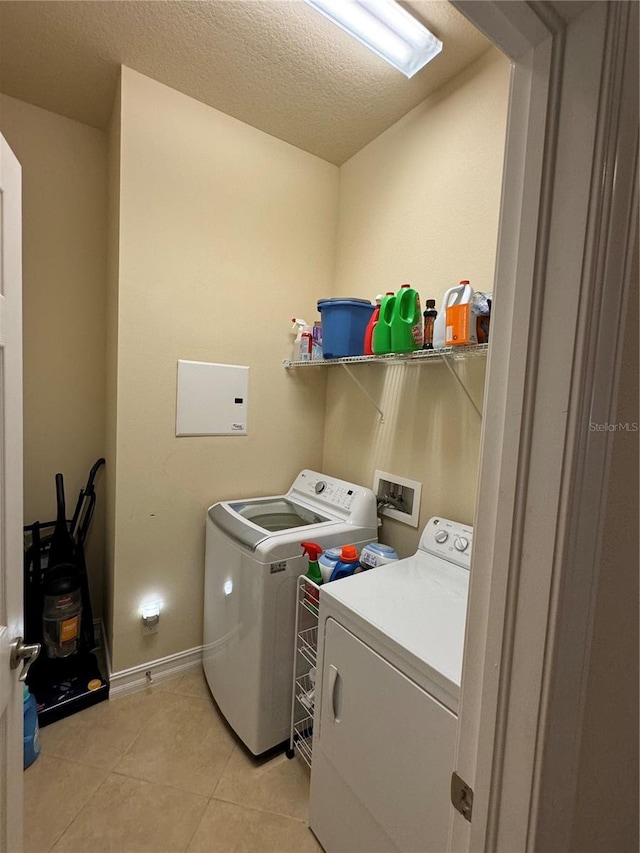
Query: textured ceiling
x=275, y=64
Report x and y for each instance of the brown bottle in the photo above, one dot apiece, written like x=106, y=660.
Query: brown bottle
x=429, y=315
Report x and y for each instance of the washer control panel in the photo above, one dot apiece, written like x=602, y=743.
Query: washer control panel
x=448, y=539
x=355, y=503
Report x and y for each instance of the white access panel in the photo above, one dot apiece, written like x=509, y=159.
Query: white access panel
x=211, y=398
x=387, y=746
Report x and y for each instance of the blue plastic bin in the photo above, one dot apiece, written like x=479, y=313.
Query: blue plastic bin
x=344, y=322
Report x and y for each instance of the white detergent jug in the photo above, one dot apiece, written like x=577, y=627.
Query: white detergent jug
x=454, y=296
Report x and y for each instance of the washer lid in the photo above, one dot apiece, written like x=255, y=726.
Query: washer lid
x=275, y=514
x=417, y=606
x=250, y=522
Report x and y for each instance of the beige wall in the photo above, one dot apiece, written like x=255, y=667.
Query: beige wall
x=217, y=235
x=420, y=204
x=225, y=234
x=64, y=253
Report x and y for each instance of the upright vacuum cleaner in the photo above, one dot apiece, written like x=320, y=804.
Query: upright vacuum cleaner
x=66, y=676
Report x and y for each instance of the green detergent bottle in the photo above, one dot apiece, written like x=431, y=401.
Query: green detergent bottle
x=381, y=338
x=407, y=331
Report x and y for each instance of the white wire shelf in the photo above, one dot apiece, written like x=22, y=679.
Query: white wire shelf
x=309, y=596
x=303, y=687
x=445, y=355
x=470, y=351
x=303, y=739
x=305, y=692
x=308, y=644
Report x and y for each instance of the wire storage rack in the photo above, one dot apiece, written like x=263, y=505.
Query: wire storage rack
x=416, y=357
x=304, y=670
x=447, y=355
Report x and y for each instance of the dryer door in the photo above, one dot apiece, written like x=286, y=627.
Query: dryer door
x=384, y=741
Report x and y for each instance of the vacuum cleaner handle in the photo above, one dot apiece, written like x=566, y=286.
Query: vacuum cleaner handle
x=88, y=491
x=92, y=473
x=62, y=548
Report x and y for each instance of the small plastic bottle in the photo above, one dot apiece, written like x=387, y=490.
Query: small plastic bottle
x=429, y=315
x=327, y=562
x=306, y=344
x=348, y=563
x=368, y=335
x=31, y=737
x=316, y=342
x=298, y=327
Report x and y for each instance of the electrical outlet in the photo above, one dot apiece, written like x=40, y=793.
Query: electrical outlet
x=148, y=629
x=400, y=497
x=150, y=615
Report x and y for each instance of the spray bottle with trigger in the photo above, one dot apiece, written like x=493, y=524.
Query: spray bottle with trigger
x=303, y=342
x=311, y=594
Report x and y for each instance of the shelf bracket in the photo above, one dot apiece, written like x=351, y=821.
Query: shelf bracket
x=365, y=392
x=454, y=373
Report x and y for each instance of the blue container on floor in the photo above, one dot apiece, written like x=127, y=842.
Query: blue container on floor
x=31, y=736
x=344, y=322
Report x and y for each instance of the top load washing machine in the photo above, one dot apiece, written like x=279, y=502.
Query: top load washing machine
x=252, y=561
x=390, y=644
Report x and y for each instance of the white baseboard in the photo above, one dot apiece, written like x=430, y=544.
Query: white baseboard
x=138, y=677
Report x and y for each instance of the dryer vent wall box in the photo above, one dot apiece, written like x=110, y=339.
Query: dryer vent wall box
x=211, y=399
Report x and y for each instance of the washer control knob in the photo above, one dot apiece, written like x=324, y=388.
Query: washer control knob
x=461, y=543
x=441, y=536
x=320, y=487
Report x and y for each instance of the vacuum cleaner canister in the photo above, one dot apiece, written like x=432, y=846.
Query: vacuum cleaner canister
x=62, y=611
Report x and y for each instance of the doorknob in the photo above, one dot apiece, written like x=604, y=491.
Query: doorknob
x=24, y=653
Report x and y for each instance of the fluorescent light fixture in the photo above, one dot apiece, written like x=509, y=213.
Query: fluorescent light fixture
x=385, y=28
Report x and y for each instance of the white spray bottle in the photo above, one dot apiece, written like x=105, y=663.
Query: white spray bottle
x=302, y=343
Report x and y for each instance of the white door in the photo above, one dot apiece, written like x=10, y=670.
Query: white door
x=567, y=223
x=10, y=498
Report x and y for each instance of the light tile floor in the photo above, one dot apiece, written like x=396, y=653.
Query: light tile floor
x=159, y=770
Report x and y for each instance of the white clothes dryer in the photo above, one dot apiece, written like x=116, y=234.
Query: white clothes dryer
x=390, y=644
x=252, y=561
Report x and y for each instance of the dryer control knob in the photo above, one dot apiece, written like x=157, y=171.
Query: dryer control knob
x=320, y=487
x=441, y=536
x=461, y=543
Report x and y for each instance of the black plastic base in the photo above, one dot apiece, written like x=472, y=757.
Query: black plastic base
x=66, y=685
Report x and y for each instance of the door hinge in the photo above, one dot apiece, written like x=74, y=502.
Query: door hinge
x=2, y=321
x=461, y=796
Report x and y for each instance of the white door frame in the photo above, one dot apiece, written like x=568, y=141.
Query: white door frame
x=566, y=231
x=11, y=511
